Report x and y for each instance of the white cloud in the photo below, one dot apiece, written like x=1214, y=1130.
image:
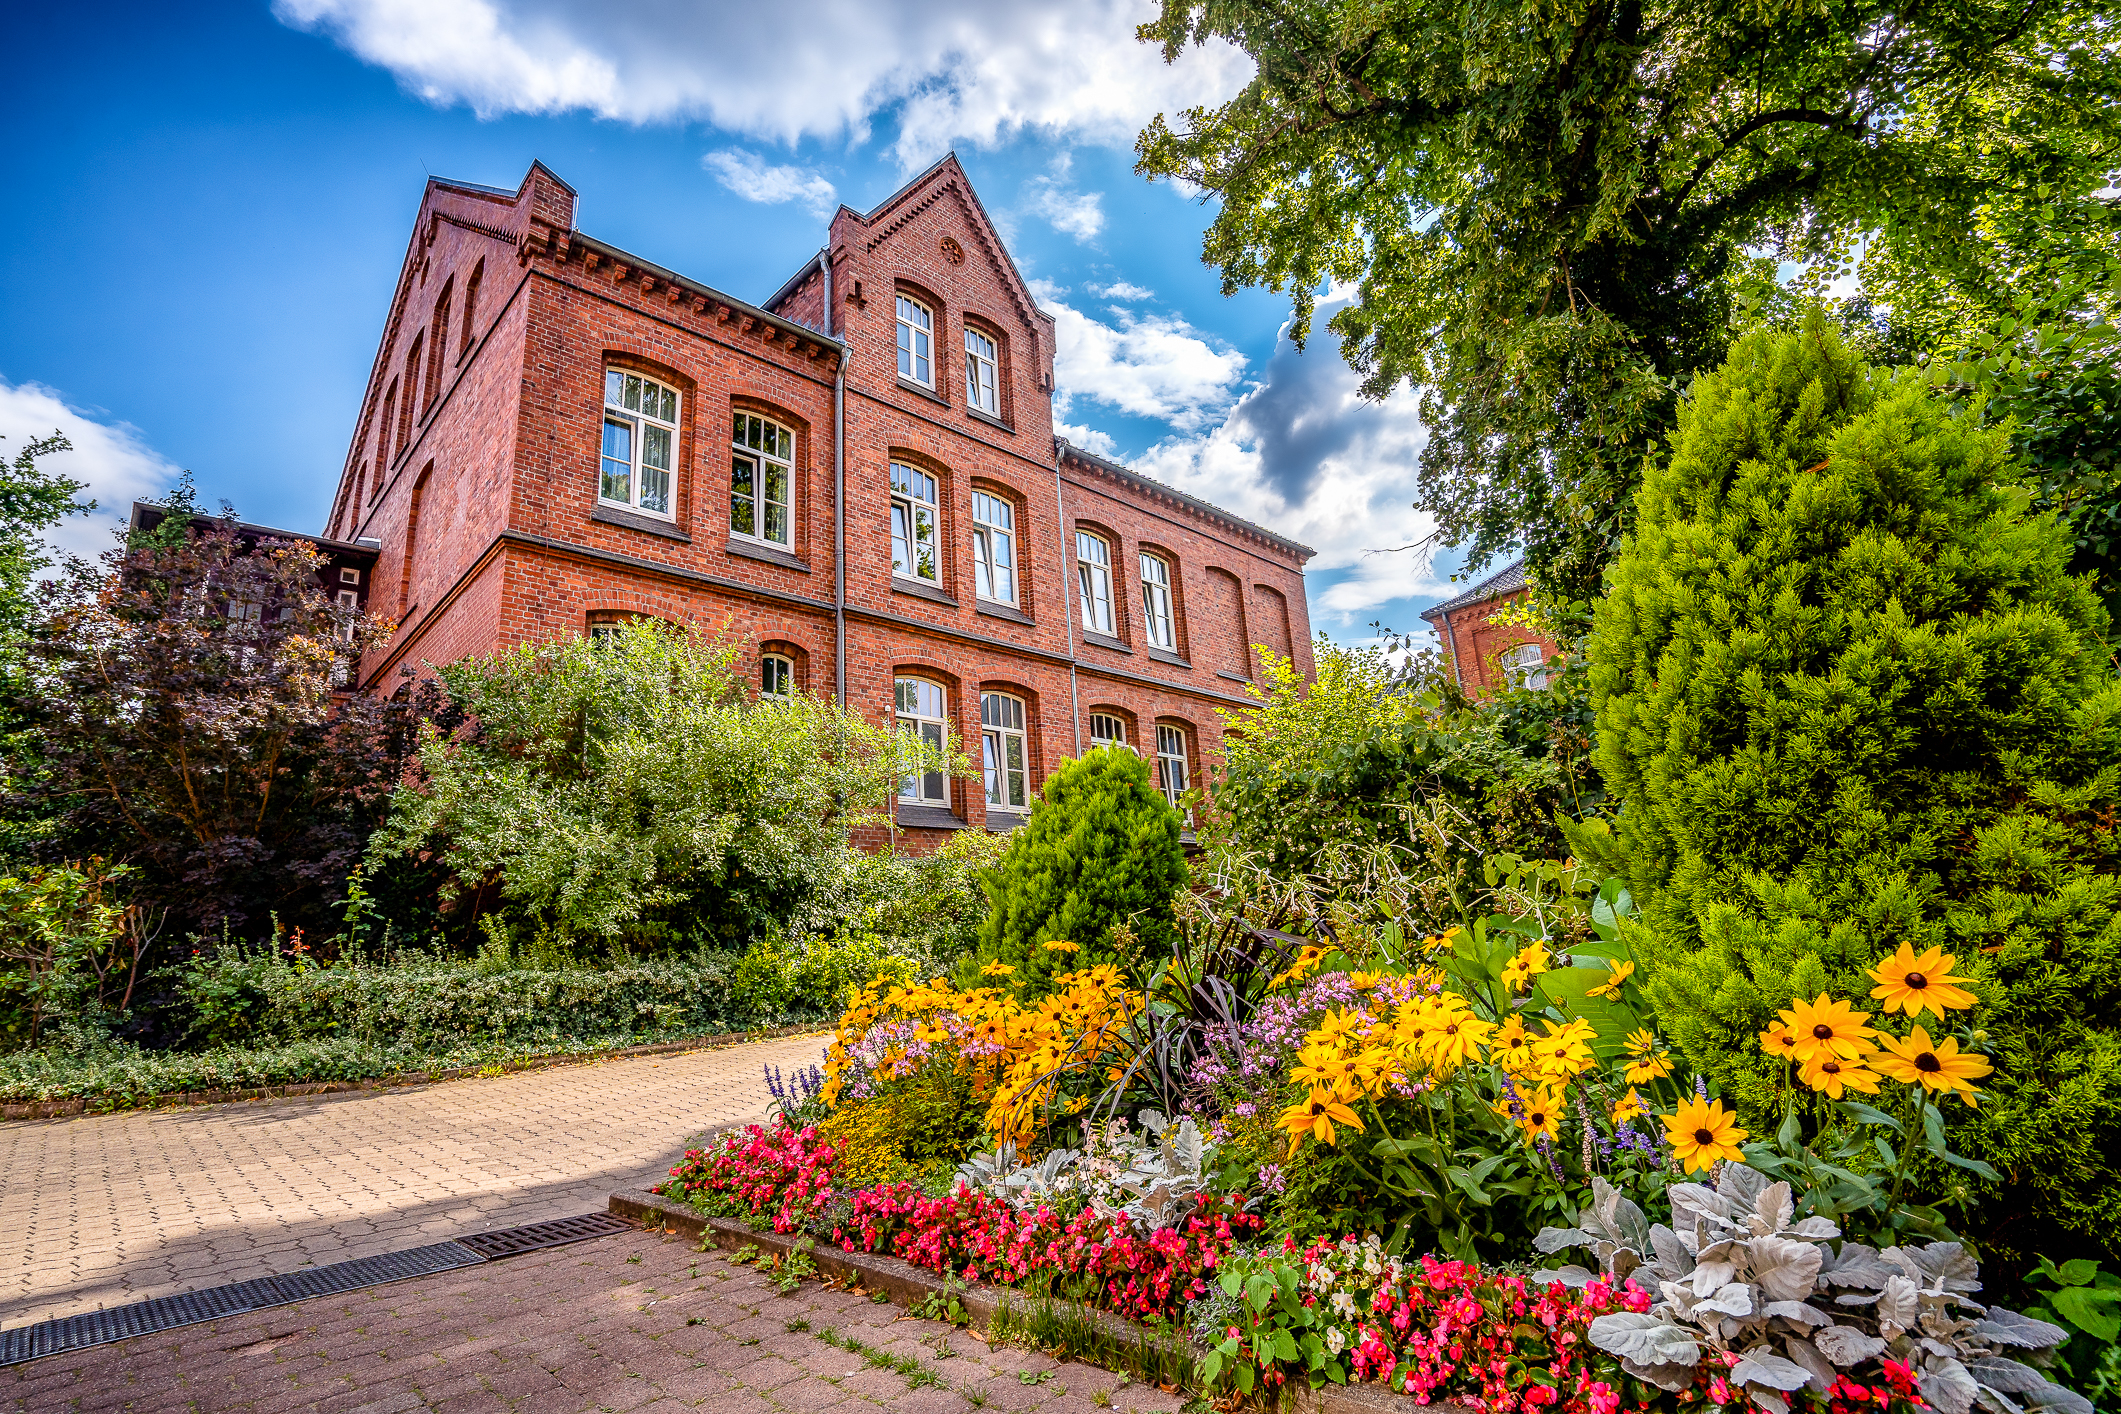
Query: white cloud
x=1122, y=290
x=1147, y=365
x=1071, y=212
x=753, y=178
x=112, y=457
x=954, y=70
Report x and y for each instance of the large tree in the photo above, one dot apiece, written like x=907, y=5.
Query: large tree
x=1549, y=215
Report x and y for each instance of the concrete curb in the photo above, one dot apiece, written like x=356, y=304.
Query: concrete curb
x=906, y=1284
x=62, y=1109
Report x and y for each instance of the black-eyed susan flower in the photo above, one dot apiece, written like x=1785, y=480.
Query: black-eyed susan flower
x=996, y=969
x=1917, y=984
x=1063, y=945
x=1831, y=1075
x=1628, y=1107
x=1316, y=1115
x=1934, y=1065
x=1617, y=977
x=1539, y=1113
x=1511, y=1048
x=1828, y=1024
x=1518, y=972
x=1702, y=1132
x=1780, y=1041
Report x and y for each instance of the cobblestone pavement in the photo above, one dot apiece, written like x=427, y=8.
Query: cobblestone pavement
x=636, y=1322
x=105, y=1210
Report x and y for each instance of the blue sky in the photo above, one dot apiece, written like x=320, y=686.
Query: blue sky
x=213, y=200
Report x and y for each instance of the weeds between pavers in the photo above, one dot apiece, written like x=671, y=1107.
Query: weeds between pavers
x=916, y=1372
x=1065, y=1333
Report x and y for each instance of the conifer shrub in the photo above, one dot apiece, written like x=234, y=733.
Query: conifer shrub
x=1848, y=697
x=1100, y=851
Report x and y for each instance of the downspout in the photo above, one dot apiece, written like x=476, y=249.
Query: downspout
x=839, y=496
x=1458, y=667
x=1075, y=705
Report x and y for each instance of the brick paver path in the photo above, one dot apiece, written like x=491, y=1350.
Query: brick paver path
x=629, y=1323
x=109, y=1209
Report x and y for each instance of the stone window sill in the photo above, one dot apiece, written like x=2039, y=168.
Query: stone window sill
x=927, y=817
x=634, y=520
x=1106, y=641
x=920, y=589
x=1233, y=677
x=1001, y=822
x=772, y=555
x=929, y=393
x=1001, y=611
x=1162, y=656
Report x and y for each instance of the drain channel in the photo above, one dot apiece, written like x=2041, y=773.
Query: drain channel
x=189, y=1308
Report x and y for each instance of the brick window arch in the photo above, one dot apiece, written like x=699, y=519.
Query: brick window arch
x=1113, y=726
x=796, y=660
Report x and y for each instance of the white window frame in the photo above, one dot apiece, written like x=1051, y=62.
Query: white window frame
x=1172, y=777
x=1005, y=752
x=914, y=491
x=982, y=372
x=776, y=675
x=916, y=341
x=1525, y=666
x=1093, y=578
x=765, y=447
x=1157, y=620
x=350, y=601
x=1108, y=729
x=993, y=548
x=349, y=575
x=926, y=718
x=640, y=427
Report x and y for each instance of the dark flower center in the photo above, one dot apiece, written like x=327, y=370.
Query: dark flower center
x=1823, y=1031
x=1927, y=1061
x=1451, y=1030
x=1915, y=980
x=1702, y=1136
x=1832, y=1068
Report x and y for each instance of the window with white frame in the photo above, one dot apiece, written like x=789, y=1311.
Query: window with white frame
x=640, y=442
x=1093, y=574
x=1002, y=751
x=920, y=716
x=916, y=330
x=1171, y=764
x=1156, y=603
x=1525, y=666
x=776, y=675
x=350, y=601
x=1108, y=730
x=761, y=473
x=980, y=364
x=993, y=548
x=913, y=518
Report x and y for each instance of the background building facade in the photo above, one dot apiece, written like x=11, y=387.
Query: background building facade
x=856, y=479
x=1486, y=654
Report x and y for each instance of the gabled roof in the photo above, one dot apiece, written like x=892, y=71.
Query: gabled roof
x=1150, y=484
x=1507, y=580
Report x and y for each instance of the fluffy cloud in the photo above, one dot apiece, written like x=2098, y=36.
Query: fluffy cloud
x=112, y=457
x=1123, y=291
x=955, y=70
x=1071, y=212
x=1147, y=365
x=753, y=178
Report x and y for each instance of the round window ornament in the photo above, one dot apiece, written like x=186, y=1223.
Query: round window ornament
x=952, y=251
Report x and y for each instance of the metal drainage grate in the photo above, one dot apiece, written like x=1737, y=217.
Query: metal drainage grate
x=190, y=1308
x=558, y=1233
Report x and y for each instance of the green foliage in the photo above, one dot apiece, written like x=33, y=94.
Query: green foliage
x=67, y=946
x=623, y=791
x=814, y=976
x=2086, y=1302
x=1546, y=212
x=1850, y=698
x=1100, y=852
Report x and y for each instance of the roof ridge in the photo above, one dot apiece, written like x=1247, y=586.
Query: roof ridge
x=1068, y=448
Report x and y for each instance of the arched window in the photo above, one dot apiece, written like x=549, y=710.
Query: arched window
x=776, y=675
x=1156, y=603
x=916, y=329
x=640, y=442
x=993, y=548
x=761, y=473
x=1525, y=666
x=980, y=365
x=1171, y=775
x=1093, y=572
x=1002, y=751
x=1106, y=729
x=913, y=518
x=921, y=706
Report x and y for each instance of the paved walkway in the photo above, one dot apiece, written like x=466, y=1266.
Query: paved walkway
x=630, y=1323
x=105, y=1210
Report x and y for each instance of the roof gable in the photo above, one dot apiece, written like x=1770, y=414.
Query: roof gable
x=943, y=182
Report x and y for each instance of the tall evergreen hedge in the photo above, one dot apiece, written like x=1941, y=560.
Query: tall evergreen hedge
x=1101, y=848
x=1849, y=697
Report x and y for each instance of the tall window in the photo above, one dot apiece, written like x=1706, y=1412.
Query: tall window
x=471, y=307
x=1525, y=666
x=979, y=373
x=1002, y=749
x=1156, y=603
x=438, y=345
x=350, y=604
x=993, y=548
x=913, y=516
x=1171, y=763
x=408, y=408
x=1093, y=573
x=776, y=676
x=1108, y=730
x=640, y=442
x=760, y=472
x=920, y=716
x=916, y=327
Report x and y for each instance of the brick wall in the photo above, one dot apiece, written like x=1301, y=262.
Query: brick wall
x=1475, y=642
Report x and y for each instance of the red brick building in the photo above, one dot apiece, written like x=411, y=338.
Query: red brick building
x=1485, y=655
x=857, y=477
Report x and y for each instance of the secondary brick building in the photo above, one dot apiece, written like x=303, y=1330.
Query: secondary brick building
x=1486, y=654
x=857, y=478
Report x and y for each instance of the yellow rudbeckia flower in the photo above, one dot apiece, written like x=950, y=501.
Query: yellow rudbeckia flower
x=1934, y=1065
x=1702, y=1132
x=1619, y=972
x=1828, y=1024
x=1316, y=1115
x=1917, y=984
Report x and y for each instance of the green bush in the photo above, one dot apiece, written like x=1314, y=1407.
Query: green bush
x=1100, y=851
x=1850, y=698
